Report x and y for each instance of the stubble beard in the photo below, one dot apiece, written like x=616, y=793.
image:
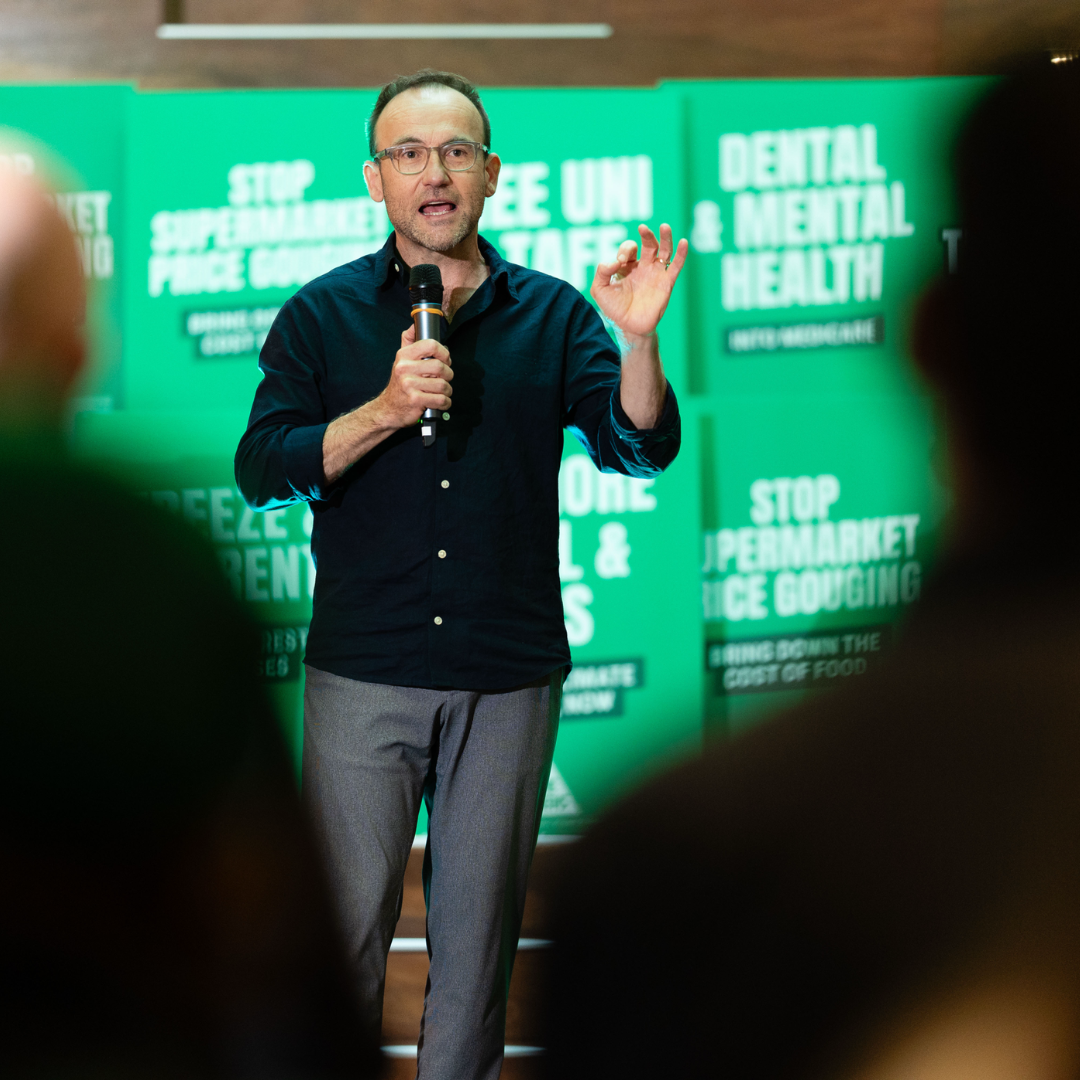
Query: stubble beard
x=411, y=225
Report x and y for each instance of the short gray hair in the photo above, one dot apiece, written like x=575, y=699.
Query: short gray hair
x=425, y=77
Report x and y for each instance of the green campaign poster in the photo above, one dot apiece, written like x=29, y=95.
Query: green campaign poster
x=77, y=140
x=237, y=199
x=570, y=192
x=819, y=211
x=182, y=463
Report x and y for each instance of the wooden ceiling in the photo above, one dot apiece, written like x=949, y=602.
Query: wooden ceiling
x=653, y=39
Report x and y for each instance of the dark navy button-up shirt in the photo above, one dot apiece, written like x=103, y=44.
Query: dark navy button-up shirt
x=439, y=566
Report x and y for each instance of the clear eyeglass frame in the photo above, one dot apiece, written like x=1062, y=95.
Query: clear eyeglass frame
x=416, y=165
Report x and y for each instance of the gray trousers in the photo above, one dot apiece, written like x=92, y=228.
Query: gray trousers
x=480, y=761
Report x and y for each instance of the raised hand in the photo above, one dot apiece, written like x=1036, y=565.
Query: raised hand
x=633, y=291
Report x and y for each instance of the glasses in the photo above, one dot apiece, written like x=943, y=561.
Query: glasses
x=411, y=159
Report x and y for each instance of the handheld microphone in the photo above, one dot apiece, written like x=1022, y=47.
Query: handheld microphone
x=425, y=286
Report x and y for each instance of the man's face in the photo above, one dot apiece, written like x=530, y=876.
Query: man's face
x=435, y=209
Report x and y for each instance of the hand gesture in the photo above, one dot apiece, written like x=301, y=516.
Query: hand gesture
x=419, y=380
x=633, y=291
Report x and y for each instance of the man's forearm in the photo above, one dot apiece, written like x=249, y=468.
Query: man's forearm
x=348, y=438
x=643, y=387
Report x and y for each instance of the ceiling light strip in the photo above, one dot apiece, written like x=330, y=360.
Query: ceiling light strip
x=376, y=31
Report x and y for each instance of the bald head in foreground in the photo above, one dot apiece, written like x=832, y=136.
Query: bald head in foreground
x=162, y=912
x=42, y=304
x=884, y=884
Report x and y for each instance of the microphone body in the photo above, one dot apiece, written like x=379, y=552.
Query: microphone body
x=425, y=287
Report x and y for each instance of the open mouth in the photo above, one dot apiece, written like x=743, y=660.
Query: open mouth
x=437, y=208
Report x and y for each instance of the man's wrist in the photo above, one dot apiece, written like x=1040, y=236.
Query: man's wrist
x=373, y=416
x=353, y=429
x=351, y=436
x=638, y=342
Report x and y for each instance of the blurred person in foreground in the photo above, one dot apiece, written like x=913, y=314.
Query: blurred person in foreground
x=885, y=883
x=161, y=912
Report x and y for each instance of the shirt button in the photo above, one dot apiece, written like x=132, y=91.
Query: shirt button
x=446, y=483
x=442, y=554
x=438, y=620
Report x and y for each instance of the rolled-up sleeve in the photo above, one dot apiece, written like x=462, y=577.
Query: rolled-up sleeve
x=280, y=457
x=593, y=409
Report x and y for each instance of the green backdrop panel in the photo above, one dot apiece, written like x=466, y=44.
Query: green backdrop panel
x=798, y=522
x=570, y=192
x=817, y=216
x=237, y=199
x=182, y=462
x=84, y=127
x=820, y=516
x=818, y=213
x=573, y=189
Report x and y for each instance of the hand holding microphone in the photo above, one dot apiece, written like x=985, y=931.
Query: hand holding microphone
x=419, y=387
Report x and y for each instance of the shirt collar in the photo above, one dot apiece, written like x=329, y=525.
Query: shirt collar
x=392, y=265
x=499, y=268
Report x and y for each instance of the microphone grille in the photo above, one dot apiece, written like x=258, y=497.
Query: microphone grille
x=424, y=274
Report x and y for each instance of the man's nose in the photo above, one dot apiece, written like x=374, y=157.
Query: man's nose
x=435, y=172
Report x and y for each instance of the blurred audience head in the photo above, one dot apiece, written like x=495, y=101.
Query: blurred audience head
x=883, y=884
x=42, y=303
x=163, y=911
x=831, y=899
x=998, y=338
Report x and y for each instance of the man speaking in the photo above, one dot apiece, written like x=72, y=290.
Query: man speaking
x=437, y=647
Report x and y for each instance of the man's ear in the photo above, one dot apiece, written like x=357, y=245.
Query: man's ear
x=491, y=167
x=937, y=341
x=373, y=179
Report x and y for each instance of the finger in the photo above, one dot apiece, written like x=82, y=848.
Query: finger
x=627, y=252
x=429, y=347
x=430, y=385
x=425, y=349
x=666, y=244
x=677, y=262
x=609, y=270
x=408, y=336
x=432, y=369
x=649, y=244
x=602, y=277
x=434, y=401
